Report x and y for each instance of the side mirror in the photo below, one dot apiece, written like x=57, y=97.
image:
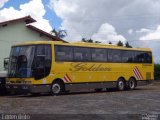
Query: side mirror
x=6, y=63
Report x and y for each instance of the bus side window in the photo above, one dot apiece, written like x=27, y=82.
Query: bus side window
x=39, y=62
x=78, y=56
x=128, y=56
x=99, y=55
x=42, y=62
x=63, y=53
x=148, y=57
x=82, y=54
x=40, y=55
x=48, y=59
x=114, y=55
x=140, y=58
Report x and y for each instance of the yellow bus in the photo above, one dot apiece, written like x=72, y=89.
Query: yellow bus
x=55, y=67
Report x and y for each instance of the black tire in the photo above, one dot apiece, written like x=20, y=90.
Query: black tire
x=57, y=88
x=121, y=85
x=131, y=84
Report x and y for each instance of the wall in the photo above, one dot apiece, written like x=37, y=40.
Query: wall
x=15, y=33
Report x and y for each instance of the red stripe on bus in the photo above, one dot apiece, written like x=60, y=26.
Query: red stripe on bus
x=139, y=77
x=139, y=73
x=64, y=80
x=136, y=74
x=68, y=78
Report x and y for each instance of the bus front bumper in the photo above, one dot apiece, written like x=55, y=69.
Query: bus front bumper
x=27, y=88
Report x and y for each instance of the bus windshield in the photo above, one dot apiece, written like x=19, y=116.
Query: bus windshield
x=21, y=59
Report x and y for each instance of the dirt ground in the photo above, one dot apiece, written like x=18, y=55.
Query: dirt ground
x=109, y=104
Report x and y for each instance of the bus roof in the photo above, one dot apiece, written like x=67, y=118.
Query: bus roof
x=82, y=44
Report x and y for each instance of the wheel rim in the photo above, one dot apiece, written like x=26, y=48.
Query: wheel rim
x=56, y=88
x=132, y=84
x=121, y=85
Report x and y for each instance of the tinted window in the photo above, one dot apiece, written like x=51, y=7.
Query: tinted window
x=63, y=53
x=40, y=50
x=48, y=59
x=40, y=57
x=139, y=57
x=114, y=55
x=82, y=54
x=99, y=55
x=128, y=56
x=21, y=60
x=148, y=57
x=78, y=54
x=143, y=57
x=42, y=61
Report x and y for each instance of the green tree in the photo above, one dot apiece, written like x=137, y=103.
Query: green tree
x=128, y=45
x=110, y=42
x=157, y=71
x=120, y=43
x=89, y=40
x=84, y=40
x=97, y=42
x=59, y=34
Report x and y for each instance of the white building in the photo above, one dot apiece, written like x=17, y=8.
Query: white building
x=18, y=31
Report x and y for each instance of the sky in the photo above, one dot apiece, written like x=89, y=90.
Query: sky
x=136, y=21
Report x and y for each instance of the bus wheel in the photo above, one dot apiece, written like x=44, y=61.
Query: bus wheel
x=57, y=88
x=132, y=84
x=121, y=84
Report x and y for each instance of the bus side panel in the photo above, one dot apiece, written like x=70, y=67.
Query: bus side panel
x=91, y=72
